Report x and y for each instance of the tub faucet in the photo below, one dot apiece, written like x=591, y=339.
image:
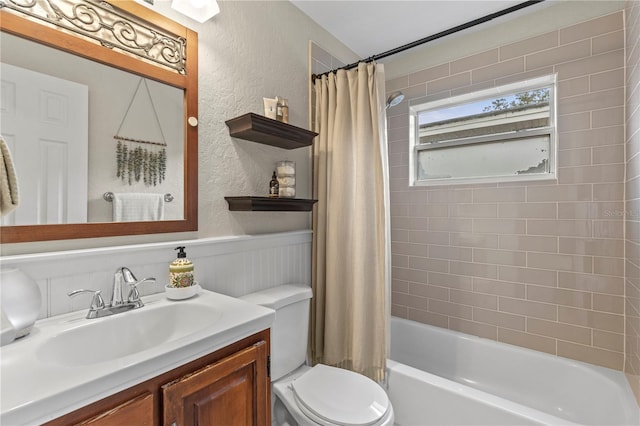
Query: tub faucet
x=122, y=277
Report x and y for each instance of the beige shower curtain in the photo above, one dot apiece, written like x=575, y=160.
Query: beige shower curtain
x=351, y=273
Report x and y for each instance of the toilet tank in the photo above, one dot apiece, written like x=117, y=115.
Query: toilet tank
x=290, y=329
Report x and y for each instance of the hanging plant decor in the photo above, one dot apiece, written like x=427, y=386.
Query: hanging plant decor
x=134, y=162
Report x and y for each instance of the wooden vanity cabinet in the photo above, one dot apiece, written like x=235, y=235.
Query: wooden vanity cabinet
x=226, y=388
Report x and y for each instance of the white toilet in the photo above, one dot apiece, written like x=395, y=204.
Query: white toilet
x=320, y=395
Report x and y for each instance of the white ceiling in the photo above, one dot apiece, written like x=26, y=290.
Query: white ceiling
x=370, y=27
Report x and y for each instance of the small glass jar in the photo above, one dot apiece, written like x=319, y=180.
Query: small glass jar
x=286, y=172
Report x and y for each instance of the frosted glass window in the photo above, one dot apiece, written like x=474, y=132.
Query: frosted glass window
x=500, y=134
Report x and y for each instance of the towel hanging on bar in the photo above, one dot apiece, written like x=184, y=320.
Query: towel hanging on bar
x=135, y=207
x=9, y=198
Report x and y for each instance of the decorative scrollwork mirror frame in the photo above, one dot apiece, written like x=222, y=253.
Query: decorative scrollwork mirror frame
x=130, y=37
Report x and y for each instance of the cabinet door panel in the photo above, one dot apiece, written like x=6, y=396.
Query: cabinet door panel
x=229, y=392
x=138, y=411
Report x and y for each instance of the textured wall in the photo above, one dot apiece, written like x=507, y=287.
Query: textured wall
x=632, y=228
x=251, y=50
x=540, y=264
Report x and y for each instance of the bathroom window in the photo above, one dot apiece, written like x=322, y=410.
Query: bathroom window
x=506, y=133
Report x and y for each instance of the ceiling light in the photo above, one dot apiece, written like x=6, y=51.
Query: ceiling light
x=198, y=10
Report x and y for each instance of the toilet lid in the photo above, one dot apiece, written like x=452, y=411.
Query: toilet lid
x=340, y=397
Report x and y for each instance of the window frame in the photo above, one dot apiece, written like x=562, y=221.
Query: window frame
x=547, y=81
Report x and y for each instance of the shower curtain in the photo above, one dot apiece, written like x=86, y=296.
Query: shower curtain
x=351, y=267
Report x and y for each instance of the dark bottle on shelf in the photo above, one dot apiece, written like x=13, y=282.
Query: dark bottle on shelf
x=274, y=186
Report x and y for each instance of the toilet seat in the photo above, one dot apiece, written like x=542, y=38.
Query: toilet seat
x=334, y=396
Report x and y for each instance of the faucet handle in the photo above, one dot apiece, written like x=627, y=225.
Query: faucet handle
x=134, y=294
x=96, y=302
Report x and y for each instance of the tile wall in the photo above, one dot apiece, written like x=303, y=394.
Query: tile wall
x=632, y=228
x=538, y=265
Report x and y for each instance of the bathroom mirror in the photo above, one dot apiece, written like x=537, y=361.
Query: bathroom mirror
x=149, y=56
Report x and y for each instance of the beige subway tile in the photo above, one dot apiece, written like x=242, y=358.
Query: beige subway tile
x=396, y=121
x=608, y=266
x=399, y=235
x=473, y=210
x=526, y=340
x=476, y=329
x=608, y=228
x=591, y=28
x=466, y=239
x=448, y=83
x=450, y=309
x=398, y=311
x=559, y=330
x=480, y=300
x=529, y=45
x=607, y=117
x=429, y=74
x=574, y=122
x=574, y=157
x=633, y=171
x=560, y=262
x=559, y=296
x=417, y=223
x=592, y=137
x=492, y=195
x=499, y=288
x=589, y=282
x=527, y=210
x=399, y=286
x=399, y=260
x=450, y=196
x=592, y=355
x=528, y=275
x=473, y=269
x=500, y=69
x=474, y=61
x=397, y=83
x=608, y=192
x=528, y=308
x=473, y=88
x=591, y=210
x=409, y=300
x=573, y=87
x=559, y=193
x=499, y=226
x=593, y=319
x=522, y=76
x=428, y=237
x=428, y=318
x=415, y=91
x=606, y=80
x=451, y=281
x=500, y=257
x=607, y=42
x=429, y=291
x=450, y=253
x=426, y=264
x=407, y=274
x=450, y=224
x=528, y=243
x=608, y=303
x=609, y=341
x=591, y=65
x=500, y=319
x=591, y=174
x=558, y=55
x=591, y=247
x=427, y=210
x=561, y=228
x=591, y=101
x=611, y=154
x=409, y=249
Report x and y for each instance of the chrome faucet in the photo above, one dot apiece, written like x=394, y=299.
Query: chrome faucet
x=123, y=276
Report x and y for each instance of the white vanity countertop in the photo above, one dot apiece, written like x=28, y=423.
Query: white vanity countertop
x=36, y=389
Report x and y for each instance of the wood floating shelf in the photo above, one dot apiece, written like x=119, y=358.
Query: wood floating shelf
x=257, y=128
x=263, y=204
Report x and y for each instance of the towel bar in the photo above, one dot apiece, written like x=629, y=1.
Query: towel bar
x=108, y=196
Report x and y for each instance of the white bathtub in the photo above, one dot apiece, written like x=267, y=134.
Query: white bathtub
x=442, y=377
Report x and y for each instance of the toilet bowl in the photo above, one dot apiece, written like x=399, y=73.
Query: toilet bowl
x=319, y=395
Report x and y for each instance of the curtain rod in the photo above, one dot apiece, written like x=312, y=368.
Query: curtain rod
x=434, y=36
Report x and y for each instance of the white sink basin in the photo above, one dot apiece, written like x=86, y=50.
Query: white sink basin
x=105, y=339
x=68, y=361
